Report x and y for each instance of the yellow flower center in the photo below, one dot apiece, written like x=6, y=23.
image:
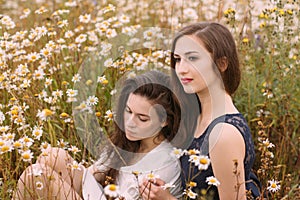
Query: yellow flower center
x=203, y=161
x=273, y=185
x=47, y=112
x=112, y=187
x=4, y=148
x=26, y=156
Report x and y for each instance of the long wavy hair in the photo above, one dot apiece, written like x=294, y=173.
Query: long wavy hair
x=218, y=41
x=155, y=87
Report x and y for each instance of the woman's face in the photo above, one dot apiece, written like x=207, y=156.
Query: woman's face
x=194, y=65
x=140, y=119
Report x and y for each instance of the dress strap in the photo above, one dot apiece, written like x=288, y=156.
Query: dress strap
x=204, y=149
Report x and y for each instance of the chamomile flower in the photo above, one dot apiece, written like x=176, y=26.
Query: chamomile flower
x=81, y=38
x=177, y=152
x=26, y=141
x=57, y=93
x=152, y=177
x=274, y=186
x=73, y=149
x=37, y=132
x=44, y=114
x=39, y=185
x=190, y=193
x=85, y=18
x=76, y=78
x=72, y=93
x=5, y=146
x=192, y=152
x=32, y=57
x=124, y=19
x=3, y=129
x=109, y=115
x=111, y=190
x=110, y=33
x=268, y=144
x=212, y=181
x=190, y=13
x=27, y=155
x=204, y=162
x=92, y=100
x=62, y=144
x=75, y=165
x=69, y=34
x=44, y=146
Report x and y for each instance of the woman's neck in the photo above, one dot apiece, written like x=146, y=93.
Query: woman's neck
x=213, y=105
x=149, y=144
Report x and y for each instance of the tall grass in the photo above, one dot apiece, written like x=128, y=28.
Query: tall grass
x=61, y=42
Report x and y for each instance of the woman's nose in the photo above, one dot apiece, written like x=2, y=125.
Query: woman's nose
x=129, y=121
x=181, y=67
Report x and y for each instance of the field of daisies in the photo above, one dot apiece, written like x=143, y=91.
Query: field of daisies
x=60, y=62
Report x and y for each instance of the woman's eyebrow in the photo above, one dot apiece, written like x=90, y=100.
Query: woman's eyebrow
x=186, y=53
x=140, y=114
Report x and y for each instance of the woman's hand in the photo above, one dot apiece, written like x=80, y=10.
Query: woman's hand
x=155, y=191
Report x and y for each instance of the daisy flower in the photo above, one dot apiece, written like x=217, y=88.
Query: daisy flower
x=81, y=38
x=44, y=114
x=124, y=19
x=76, y=78
x=62, y=144
x=190, y=193
x=85, y=18
x=268, y=144
x=192, y=152
x=274, y=186
x=109, y=115
x=72, y=93
x=151, y=177
x=92, y=101
x=177, y=152
x=74, y=149
x=204, y=162
x=212, y=181
x=27, y=156
x=39, y=185
x=37, y=132
x=75, y=165
x=111, y=190
x=69, y=34
x=5, y=146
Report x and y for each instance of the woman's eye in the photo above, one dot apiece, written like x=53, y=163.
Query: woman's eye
x=143, y=120
x=192, y=58
x=127, y=110
x=177, y=59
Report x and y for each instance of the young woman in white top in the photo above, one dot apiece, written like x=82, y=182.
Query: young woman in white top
x=147, y=119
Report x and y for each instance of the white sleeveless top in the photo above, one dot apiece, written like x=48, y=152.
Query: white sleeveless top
x=158, y=161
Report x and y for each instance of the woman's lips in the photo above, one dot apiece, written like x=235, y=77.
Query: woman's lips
x=186, y=80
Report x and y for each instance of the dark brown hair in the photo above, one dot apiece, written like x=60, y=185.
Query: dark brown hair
x=155, y=86
x=218, y=41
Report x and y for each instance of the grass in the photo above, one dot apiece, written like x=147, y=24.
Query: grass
x=61, y=42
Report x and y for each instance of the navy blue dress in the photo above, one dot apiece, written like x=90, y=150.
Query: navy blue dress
x=201, y=144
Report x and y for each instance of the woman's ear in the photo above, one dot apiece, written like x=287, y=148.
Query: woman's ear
x=164, y=123
x=222, y=64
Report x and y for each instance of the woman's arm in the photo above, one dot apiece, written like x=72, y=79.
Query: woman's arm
x=227, y=147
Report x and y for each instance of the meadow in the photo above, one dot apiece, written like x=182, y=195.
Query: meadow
x=60, y=62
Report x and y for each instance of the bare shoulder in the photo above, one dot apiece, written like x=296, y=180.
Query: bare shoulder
x=225, y=136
